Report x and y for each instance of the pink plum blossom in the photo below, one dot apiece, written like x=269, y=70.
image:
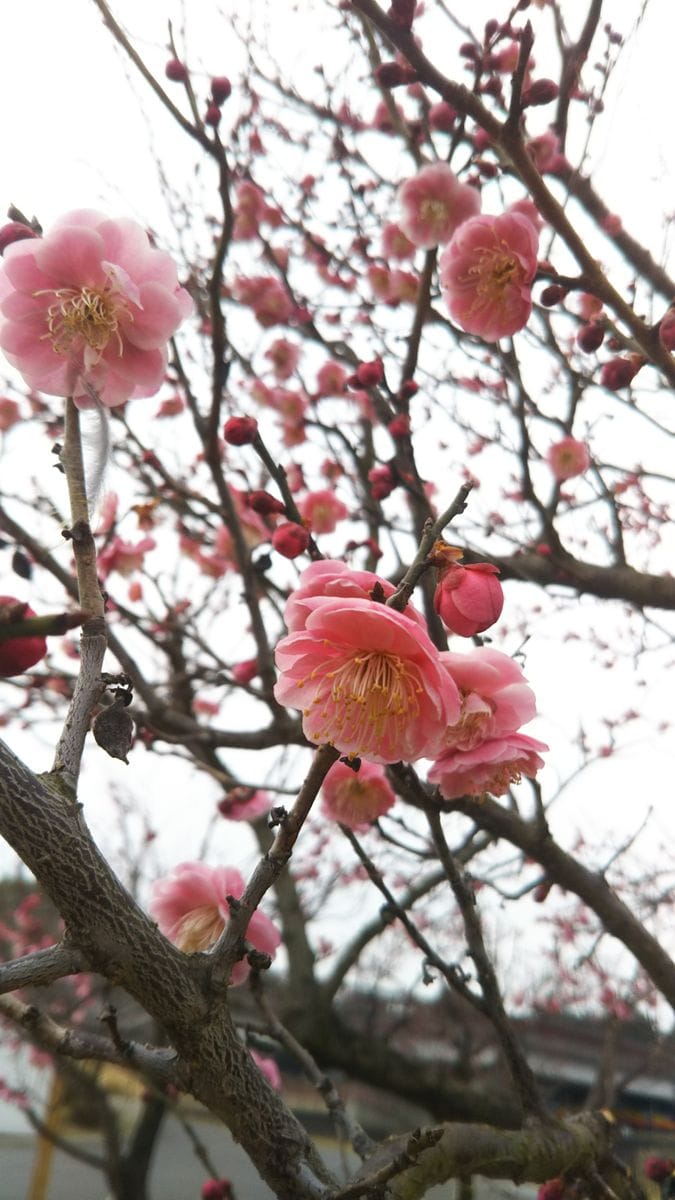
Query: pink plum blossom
x=9, y=413
x=434, y=204
x=368, y=680
x=284, y=357
x=492, y=766
x=331, y=579
x=395, y=244
x=486, y=274
x=91, y=305
x=469, y=599
x=322, y=510
x=495, y=696
x=356, y=798
x=331, y=379
x=123, y=557
x=268, y=1067
x=568, y=458
x=192, y=910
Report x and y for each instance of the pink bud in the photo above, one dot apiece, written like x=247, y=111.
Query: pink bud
x=552, y=294
x=20, y=653
x=590, y=337
x=176, y=71
x=619, y=372
x=400, y=426
x=382, y=482
x=469, y=599
x=244, y=672
x=370, y=374
x=442, y=117
x=212, y=115
x=542, y=91
x=264, y=504
x=240, y=431
x=221, y=89
x=14, y=231
x=393, y=74
x=290, y=539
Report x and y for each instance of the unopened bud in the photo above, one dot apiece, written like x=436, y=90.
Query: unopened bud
x=370, y=374
x=402, y=12
x=176, y=71
x=14, y=231
x=221, y=89
x=393, y=74
x=240, y=431
x=382, y=482
x=290, y=539
x=542, y=91
x=590, y=337
x=212, y=115
x=619, y=372
x=264, y=504
x=552, y=294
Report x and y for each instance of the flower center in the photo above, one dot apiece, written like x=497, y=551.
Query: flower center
x=435, y=212
x=496, y=271
x=83, y=319
x=366, y=700
x=200, y=928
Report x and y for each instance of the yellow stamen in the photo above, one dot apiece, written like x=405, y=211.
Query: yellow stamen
x=369, y=698
x=84, y=317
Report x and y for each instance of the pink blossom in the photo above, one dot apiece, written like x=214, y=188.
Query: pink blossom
x=469, y=599
x=368, y=681
x=244, y=804
x=492, y=766
x=434, y=204
x=486, y=274
x=331, y=379
x=267, y=297
x=495, y=696
x=249, y=211
x=331, y=579
x=91, y=304
x=123, y=557
x=568, y=458
x=395, y=244
x=284, y=357
x=192, y=910
x=356, y=798
x=322, y=510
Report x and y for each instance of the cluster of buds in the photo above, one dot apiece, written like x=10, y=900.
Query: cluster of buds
x=221, y=89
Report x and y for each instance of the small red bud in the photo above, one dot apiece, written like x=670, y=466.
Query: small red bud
x=14, y=231
x=542, y=91
x=20, y=653
x=370, y=374
x=212, y=115
x=552, y=294
x=590, y=337
x=240, y=431
x=176, y=71
x=290, y=539
x=393, y=74
x=618, y=373
x=468, y=50
x=659, y=1169
x=382, y=482
x=408, y=389
x=221, y=89
x=400, y=426
x=264, y=504
x=553, y=1189
x=442, y=117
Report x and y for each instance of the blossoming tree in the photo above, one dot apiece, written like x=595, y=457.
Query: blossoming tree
x=300, y=588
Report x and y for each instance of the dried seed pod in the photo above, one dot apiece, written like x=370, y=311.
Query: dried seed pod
x=113, y=729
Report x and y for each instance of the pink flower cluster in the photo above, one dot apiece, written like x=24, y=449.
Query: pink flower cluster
x=370, y=682
x=192, y=909
x=489, y=263
x=91, y=305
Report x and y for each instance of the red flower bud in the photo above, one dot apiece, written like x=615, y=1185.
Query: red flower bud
x=176, y=71
x=217, y=1189
x=590, y=337
x=408, y=389
x=212, y=115
x=469, y=599
x=261, y=502
x=393, y=74
x=618, y=373
x=382, y=482
x=20, y=653
x=667, y=330
x=400, y=426
x=14, y=231
x=552, y=294
x=542, y=91
x=290, y=539
x=370, y=374
x=240, y=431
x=244, y=672
x=442, y=117
x=221, y=89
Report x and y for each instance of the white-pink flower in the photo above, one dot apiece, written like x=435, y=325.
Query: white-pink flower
x=192, y=910
x=434, y=204
x=496, y=698
x=568, y=458
x=486, y=274
x=356, y=798
x=331, y=579
x=90, y=305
